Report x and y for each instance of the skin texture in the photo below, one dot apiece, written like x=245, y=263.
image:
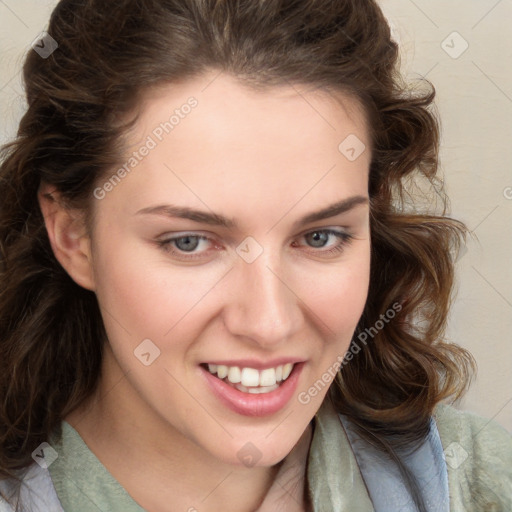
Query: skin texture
x=264, y=159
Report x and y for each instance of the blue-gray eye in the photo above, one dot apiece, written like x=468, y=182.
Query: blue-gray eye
x=187, y=243
x=319, y=238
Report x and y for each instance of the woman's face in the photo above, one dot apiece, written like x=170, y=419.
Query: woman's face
x=236, y=243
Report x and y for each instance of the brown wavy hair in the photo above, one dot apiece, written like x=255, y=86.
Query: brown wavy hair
x=109, y=55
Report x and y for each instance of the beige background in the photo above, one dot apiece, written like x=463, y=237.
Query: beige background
x=475, y=103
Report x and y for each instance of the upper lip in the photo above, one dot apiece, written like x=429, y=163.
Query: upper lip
x=256, y=364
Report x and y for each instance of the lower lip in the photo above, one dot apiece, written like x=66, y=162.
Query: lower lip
x=255, y=405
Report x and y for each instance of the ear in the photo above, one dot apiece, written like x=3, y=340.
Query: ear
x=68, y=236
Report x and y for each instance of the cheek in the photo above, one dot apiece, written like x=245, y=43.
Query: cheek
x=143, y=296
x=140, y=295
x=338, y=296
x=149, y=299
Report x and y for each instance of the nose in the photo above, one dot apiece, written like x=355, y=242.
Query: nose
x=263, y=306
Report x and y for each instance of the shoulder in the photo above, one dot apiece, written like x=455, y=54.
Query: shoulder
x=478, y=454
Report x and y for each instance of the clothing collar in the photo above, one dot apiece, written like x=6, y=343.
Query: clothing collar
x=348, y=473
x=334, y=479
x=83, y=483
x=330, y=466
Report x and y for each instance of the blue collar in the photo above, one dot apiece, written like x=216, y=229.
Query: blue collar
x=384, y=482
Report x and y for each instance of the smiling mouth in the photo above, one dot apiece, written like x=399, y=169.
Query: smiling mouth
x=251, y=380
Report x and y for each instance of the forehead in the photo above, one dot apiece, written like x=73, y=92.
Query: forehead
x=215, y=142
x=226, y=101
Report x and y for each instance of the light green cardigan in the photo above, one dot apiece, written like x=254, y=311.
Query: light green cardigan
x=478, y=454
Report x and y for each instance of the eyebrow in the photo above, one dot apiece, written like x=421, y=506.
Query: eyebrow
x=215, y=219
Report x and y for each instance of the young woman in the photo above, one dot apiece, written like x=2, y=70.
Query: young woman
x=213, y=296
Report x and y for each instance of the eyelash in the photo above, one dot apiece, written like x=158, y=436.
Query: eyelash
x=165, y=245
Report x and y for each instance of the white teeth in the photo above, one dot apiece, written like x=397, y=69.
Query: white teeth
x=222, y=371
x=250, y=377
x=262, y=381
x=234, y=375
x=268, y=377
x=257, y=390
x=287, y=369
x=263, y=389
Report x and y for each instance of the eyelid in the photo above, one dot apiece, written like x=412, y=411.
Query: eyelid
x=343, y=235
x=174, y=235
x=337, y=228
x=170, y=236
